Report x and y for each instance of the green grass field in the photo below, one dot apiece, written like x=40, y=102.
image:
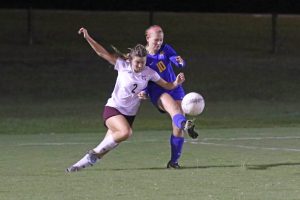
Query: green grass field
x=73, y=116
x=52, y=94
x=241, y=163
x=245, y=151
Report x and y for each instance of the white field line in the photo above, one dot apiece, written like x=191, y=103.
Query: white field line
x=251, y=147
x=246, y=146
x=80, y=143
x=202, y=141
x=252, y=138
x=52, y=144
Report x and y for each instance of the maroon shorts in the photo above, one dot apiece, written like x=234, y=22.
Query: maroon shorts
x=110, y=112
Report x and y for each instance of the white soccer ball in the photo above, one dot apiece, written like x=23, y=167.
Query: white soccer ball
x=193, y=104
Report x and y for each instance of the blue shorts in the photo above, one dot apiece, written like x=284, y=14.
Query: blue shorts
x=156, y=91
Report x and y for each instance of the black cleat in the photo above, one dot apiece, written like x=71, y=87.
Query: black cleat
x=189, y=127
x=172, y=165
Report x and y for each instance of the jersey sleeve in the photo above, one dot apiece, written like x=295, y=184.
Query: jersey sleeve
x=172, y=56
x=154, y=76
x=120, y=63
x=170, y=51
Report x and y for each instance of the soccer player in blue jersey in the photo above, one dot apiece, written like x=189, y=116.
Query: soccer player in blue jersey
x=161, y=57
x=121, y=108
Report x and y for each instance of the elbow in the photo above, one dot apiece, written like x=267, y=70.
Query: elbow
x=181, y=65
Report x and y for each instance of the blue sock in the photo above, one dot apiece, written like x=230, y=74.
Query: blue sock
x=178, y=119
x=176, y=148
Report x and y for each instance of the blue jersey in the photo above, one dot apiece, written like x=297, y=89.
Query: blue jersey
x=162, y=62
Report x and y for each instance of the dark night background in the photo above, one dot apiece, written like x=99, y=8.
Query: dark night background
x=238, y=6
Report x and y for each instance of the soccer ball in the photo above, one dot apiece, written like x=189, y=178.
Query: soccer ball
x=192, y=104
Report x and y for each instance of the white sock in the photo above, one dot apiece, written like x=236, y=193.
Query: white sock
x=107, y=144
x=85, y=161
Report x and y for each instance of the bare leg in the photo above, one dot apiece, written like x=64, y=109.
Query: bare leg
x=118, y=130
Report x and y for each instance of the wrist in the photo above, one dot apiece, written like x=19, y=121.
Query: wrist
x=175, y=83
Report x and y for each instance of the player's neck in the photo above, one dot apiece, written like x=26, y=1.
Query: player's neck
x=151, y=51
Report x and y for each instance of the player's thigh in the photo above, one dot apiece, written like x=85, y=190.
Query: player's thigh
x=167, y=102
x=118, y=125
x=179, y=105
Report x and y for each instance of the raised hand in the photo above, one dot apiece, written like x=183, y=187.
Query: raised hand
x=84, y=32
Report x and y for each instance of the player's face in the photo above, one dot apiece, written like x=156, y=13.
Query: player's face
x=155, y=41
x=138, y=64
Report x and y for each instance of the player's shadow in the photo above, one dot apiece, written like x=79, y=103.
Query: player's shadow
x=244, y=166
x=267, y=166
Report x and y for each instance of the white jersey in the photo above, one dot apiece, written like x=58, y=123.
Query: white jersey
x=129, y=83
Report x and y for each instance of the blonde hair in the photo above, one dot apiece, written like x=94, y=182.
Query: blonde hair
x=154, y=28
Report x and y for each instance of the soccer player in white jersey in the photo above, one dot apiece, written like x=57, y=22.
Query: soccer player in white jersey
x=121, y=108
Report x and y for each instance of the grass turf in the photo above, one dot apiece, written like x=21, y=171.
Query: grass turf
x=224, y=164
x=71, y=116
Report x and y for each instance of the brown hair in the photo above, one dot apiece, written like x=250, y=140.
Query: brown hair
x=139, y=50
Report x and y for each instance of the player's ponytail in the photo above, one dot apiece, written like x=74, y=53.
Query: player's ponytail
x=139, y=50
x=124, y=56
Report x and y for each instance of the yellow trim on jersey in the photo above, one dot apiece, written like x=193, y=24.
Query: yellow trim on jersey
x=161, y=66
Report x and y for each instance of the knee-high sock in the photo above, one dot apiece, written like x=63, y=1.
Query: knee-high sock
x=176, y=148
x=107, y=144
x=179, y=120
x=86, y=160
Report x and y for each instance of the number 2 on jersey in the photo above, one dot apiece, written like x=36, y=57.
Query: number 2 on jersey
x=134, y=87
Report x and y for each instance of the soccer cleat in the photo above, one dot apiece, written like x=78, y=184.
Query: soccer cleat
x=189, y=127
x=172, y=165
x=73, y=169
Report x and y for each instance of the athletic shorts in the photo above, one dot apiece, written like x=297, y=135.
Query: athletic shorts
x=155, y=92
x=110, y=112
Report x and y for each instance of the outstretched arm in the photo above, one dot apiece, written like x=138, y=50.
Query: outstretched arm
x=99, y=49
x=174, y=57
x=170, y=86
x=178, y=61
